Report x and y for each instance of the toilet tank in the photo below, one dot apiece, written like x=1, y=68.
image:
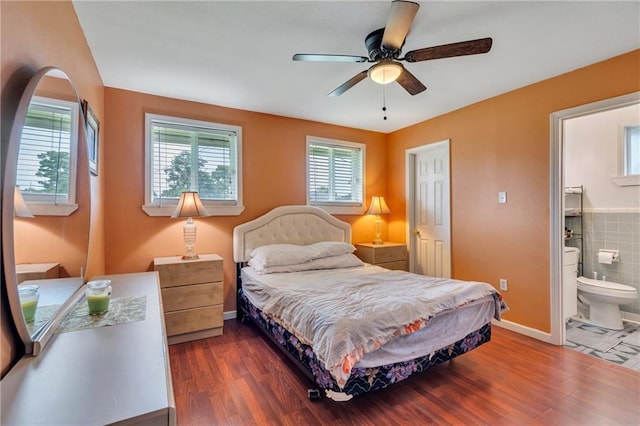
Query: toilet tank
x=569, y=282
x=571, y=256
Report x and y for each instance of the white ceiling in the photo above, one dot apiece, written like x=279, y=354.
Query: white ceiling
x=238, y=53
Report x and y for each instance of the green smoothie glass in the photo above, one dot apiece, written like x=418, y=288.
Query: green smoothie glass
x=29, y=295
x=98, y=295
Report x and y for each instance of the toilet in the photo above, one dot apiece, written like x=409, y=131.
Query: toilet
x=604, y=299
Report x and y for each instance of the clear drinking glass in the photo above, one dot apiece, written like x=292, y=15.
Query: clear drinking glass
x=29, y=295
x=98, y=296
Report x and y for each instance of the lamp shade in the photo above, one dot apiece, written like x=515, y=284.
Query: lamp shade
x=378, y=206
x=190, y=206
x=385, y=72
x=20, y=207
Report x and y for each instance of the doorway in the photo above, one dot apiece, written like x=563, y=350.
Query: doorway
x=429, y=209
x=557, y=207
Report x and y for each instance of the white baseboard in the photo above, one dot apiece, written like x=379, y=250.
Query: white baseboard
x=229, y=315
x=631, y=317
x=523, y=329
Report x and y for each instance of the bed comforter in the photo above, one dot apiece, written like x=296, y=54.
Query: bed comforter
x=346, y=316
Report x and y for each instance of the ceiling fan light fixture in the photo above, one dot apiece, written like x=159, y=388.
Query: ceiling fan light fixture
x=385, y=72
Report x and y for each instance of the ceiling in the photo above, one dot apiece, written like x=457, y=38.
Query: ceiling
x=238, y=53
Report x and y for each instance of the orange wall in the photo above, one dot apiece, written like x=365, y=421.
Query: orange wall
x=502, y=144
x=34, y=35
x=274, y=167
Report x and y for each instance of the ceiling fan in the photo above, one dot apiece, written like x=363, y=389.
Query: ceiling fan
x=385, y=45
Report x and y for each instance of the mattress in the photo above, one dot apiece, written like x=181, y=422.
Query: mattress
x=443, y=330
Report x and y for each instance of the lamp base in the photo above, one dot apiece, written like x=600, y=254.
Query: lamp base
x=378, y=228
x=189, y=231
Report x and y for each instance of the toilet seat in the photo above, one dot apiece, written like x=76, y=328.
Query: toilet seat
x=606, y=288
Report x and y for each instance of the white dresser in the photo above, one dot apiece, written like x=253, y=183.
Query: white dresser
x=113, y=374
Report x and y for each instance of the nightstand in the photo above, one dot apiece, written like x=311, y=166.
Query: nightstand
x=386, y=255
x=37, y=271
x=192, y=295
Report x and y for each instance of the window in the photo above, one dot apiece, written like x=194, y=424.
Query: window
x=47, y=156
x=335, y=175
x=628, y=155
x=191, y=155
x=631, y=150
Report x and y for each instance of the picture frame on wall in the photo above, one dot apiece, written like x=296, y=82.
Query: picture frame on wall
x=93, y=132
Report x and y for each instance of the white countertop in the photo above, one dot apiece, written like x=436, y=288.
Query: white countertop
x=100, y=375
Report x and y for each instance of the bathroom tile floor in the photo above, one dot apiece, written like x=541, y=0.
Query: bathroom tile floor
x=625, y=348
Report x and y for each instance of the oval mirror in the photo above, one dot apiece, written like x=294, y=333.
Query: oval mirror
x=46, y=206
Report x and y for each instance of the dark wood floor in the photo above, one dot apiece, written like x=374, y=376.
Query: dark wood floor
x=240, y=378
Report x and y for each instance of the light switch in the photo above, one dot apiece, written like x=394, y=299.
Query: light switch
x=502, y=197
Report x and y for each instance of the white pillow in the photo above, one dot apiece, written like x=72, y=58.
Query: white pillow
x=332, y=248
x=330, y=262
x=279, y=254
x=292, y=254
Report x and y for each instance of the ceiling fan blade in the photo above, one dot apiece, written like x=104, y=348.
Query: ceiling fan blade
x=328, y=58
x=398, y=23
x=349, y=84
x=410, y=83
x=471, y=47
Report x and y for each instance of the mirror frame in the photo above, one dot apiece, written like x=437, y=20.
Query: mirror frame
x=33, y=344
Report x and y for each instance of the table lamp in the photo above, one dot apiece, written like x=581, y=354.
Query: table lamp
x=190, y=206
x=19, y=205
x=378, y=207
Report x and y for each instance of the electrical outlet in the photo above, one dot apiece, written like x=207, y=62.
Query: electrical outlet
x=502, y=197
x=503, y=285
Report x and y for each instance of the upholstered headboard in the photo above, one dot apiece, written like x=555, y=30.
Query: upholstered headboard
x=288, y=225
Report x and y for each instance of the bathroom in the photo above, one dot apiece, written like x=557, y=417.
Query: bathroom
x=602, y=219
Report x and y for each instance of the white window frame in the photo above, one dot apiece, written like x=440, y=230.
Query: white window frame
x=215, y=208
x=45, y=205
x=624, y=178
x=627, y=142
x=337, y=207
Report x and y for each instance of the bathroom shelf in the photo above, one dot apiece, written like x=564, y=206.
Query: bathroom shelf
x=573, y=220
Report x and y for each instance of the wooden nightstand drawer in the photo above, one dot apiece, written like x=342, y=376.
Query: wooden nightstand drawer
x=399, y=266
x=381, y=253
x=387, y=255
x=193, y=296
x=175, y=272
x=190, y=320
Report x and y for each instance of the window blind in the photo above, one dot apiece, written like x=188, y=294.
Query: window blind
x=335, y=174
x=44, y=154
x=193, y=158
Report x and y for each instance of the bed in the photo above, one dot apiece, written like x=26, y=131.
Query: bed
x=350, y=327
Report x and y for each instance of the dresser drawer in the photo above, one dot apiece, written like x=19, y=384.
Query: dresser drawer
x=175, y=272
x=195, y=319
x=193, y=296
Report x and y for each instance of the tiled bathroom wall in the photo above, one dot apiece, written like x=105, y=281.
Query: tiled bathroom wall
x=615, y=231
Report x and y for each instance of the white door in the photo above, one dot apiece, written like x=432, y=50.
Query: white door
x=430, y=215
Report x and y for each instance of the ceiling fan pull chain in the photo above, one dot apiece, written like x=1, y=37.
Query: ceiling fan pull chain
x=384, y=102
